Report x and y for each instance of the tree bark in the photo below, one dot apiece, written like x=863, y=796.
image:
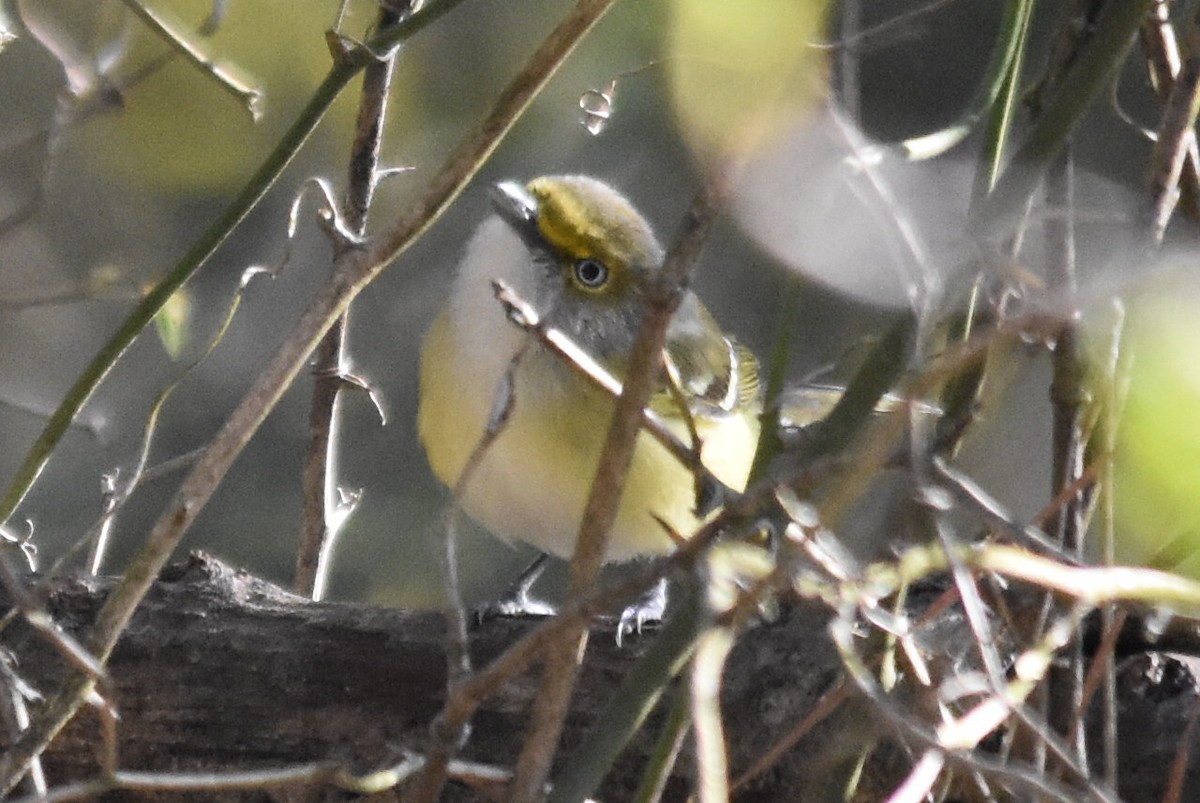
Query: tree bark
x=221, y=671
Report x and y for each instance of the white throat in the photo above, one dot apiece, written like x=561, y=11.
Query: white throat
x=494, y=252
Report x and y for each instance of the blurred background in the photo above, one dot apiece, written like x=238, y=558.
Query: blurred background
x=102, y=198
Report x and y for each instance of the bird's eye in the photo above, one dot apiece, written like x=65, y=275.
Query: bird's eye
x=591, y=273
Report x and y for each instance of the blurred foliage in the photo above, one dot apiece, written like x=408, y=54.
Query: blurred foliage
x=1158, y=445
x=737, y=79
x=180, y=131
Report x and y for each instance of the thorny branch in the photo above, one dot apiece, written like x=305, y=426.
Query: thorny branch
x=326, y=507
x=1176, y=138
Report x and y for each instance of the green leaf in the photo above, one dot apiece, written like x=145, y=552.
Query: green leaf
x=172, y=322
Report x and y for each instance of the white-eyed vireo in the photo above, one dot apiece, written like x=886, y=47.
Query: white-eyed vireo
x=580, y=253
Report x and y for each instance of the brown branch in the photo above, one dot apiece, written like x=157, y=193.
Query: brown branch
x=212, y=683
x=1162, y=65
x=325, y=513
x=1176, y=137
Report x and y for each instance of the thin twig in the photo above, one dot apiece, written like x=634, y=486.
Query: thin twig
x=300, y=775
x=464, y=700
x=666, y=752
x=829, y=702
x=843, y=630
x=1162, y=65
x=1082, y=81
x=625, y=712
x=14, y=693
x=448, y=738
x=1177, y=776
x=325, y=511
x=1176, y=137
x=712, y=765
x=114, y=498
x=459, y=168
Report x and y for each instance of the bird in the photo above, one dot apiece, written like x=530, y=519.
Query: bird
x=582, y=255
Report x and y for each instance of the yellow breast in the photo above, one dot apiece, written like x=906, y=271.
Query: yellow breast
x=533, y=482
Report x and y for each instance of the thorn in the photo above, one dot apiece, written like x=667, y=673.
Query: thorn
x=345, y=48
x=348, y=499
x=359, y=382
x=390, y=172
x=330, y=219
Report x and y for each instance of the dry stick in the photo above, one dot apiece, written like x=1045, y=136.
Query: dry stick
x=448, y=740
x=14, y=714
x=842, y=630
x=829, y=702
x=953, y=357
x=1070, y=435
x=562, y=659
x=1162, y=65
x=1175, y=137
x=220, y=784
x=708, y=664
x=1065, y=390
x=1177, y=777
x=1113, y=389
x=191, y=47
x=1102, y=666
x=666, y=752
x=991, y=512
x=353, y=271
x=986, y=507
x=325, y=513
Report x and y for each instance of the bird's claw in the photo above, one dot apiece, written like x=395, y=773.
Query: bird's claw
x=647, y=609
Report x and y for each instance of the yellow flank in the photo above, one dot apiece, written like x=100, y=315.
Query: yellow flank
x=533, y=482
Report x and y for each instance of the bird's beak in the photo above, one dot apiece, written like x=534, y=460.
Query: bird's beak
x=514, y=204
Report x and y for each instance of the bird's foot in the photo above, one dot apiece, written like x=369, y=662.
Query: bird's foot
x=514, y=606
x=518, y=601
x=646, y=610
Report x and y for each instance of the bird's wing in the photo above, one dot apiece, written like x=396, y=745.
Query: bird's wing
x=706, y=370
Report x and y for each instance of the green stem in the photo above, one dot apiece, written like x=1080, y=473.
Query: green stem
x=769, y=441
x=1000, y=119
x=1004, y=64
x=1090, y=72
